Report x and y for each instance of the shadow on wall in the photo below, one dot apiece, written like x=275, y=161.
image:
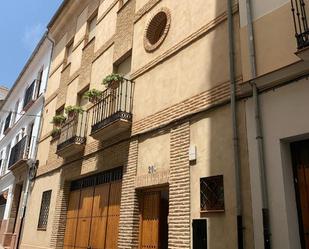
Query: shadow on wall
x=212, y=134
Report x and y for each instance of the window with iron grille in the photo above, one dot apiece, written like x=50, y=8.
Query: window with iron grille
x=212, y=194
x=45, y=203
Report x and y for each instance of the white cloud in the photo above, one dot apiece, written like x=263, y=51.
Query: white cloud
x=32, y=35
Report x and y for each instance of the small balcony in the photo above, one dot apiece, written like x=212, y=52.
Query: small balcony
x=20, y=153
x=72, y=137
x=112, y=115
x=301, y=28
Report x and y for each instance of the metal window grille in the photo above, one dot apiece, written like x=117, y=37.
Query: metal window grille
x=212, y=193
x=43, y=218
x=101, y=178
x=300, y=23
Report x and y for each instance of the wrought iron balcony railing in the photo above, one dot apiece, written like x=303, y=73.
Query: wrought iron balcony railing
x=115, y=104
x=19, y=151
x=73, y=131
x=300, y=23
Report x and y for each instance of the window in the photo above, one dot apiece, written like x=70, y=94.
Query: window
x=212, y=194
x=157, y=29
x=92, y=23
x=60, y=110
x=7, y=122
x=69, y=50
x=45, y=203
x=28, y=99
x=81, y=100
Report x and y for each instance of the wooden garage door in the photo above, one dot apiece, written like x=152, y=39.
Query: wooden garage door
x=93, y=215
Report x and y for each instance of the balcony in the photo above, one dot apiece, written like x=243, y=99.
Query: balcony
x=301, y=28
x=19, y=153
x=112, y=115
x=72, y=137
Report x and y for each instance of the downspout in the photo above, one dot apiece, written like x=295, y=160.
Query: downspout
x=259, y=131
x=32, y=162
x=234, y=123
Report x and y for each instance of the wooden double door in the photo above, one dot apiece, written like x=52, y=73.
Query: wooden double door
x=300, y=156
x=153, y=220
x=93, y=217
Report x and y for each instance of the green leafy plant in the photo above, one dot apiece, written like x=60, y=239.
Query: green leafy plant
x=55, y=132
x=93, y=95
x=113, y=78
x=73, y=110
x=58, y=120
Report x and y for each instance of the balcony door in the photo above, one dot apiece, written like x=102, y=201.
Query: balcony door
x=300, y=155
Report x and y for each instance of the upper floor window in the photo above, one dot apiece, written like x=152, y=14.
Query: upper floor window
x=28, y=99
x=69, y=51
x=92, y=23
x=7, y=122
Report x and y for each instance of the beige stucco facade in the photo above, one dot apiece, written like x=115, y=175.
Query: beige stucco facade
x=181, y=100
x=282, y=97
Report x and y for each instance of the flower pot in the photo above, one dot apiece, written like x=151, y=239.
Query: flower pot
x=114, y=84
x=72, y=115
x=93, y=100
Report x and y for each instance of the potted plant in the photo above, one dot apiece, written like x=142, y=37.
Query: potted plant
x=113, y=80
x=55, y=132
x=73, y=111
x=58, y=120
x=93, y=95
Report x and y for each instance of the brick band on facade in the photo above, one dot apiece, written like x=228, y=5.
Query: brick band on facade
x=59, y=222
x=179, y=188
x=129, y=216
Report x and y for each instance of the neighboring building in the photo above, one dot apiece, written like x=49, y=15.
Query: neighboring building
x=3, y=92
x=20, y=118
x=151, y=164
x=282, y=70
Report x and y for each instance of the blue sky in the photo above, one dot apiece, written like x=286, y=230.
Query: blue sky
x=22, y=24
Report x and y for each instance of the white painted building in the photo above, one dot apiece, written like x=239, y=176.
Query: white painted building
x=20, y=118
